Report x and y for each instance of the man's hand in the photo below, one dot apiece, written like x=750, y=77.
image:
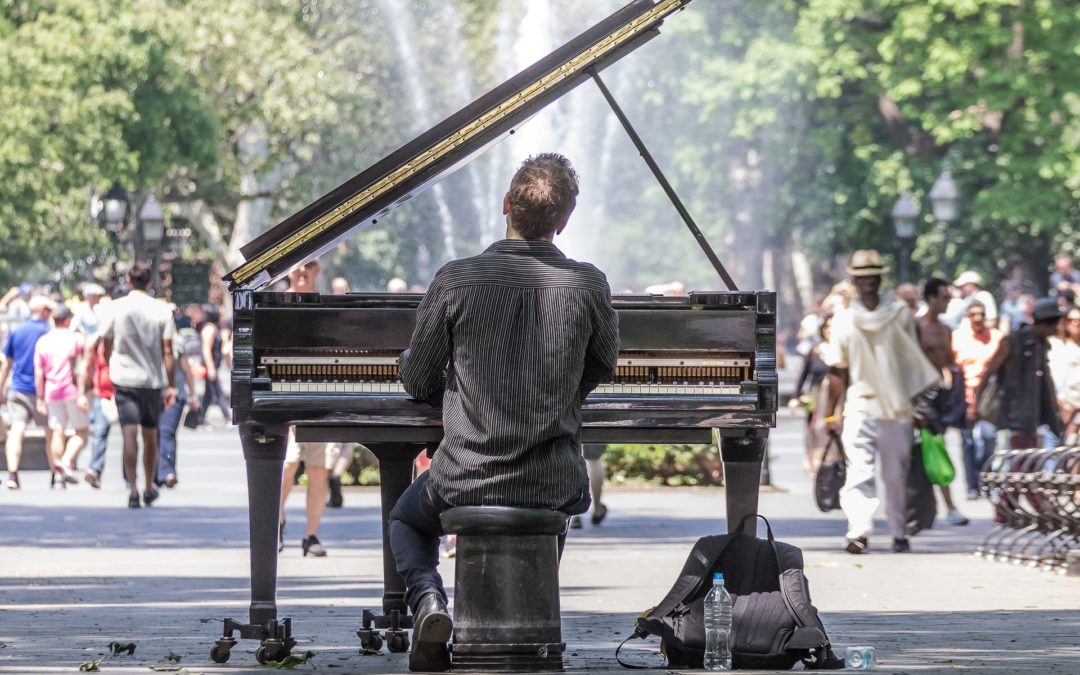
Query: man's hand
x=211, y=373
x=832, y=423
x=168, y=396
x=194, y=403
x=83, y=401
x=42, y=407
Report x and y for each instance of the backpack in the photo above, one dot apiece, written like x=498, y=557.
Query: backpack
x=773, y=622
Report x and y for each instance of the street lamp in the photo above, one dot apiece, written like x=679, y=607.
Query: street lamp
x=903, y=215
x=945, y=201
x=152, y=223
x=114, y=208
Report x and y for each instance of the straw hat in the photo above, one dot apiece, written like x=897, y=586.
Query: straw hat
x=866, y=263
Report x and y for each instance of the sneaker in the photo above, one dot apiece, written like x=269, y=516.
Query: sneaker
x=856, y=546
x=133, y=501
x=150, y=496
x=93, y=479
x=599, y=512
x=575, y=523
x=956, y=518
x=13, y=480
x=313, y=546
x=336, y=500
x=901, y=545
x=58, y=480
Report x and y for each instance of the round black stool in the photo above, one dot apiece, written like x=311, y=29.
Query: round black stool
x=506, y=588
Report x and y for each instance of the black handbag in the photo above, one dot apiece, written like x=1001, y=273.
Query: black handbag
x=831, y=475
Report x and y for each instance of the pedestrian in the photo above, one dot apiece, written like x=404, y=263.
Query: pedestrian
x=138, y=332
x=210, y=333
x=970, y=284
x=1027, y=399
x=874, y=347
x=184, y=377
x=511, y=342
x=811, y=391
x=1064, y=360
x=16, y=303
x=1064, y=273
x=56, y=358
x=936, y=341
x=86, y=317
x=594, y=465
x=21, y=394
x=973, y=347
x=318, y=458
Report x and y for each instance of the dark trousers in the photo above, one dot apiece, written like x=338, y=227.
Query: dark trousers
x=167, y=425
x=99, y=436
x=213, y=394
x=980, y=441
x=415, y=529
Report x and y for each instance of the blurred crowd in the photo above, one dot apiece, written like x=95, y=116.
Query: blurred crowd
x=1011, y=367
x=108, y=355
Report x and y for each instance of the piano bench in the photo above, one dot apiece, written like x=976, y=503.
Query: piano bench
x=506, y=588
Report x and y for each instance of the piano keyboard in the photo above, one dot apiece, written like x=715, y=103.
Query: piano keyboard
x=619, y=389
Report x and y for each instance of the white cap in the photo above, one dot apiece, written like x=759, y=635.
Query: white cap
x=39, y=302
x=968, y=277
x=93, y=289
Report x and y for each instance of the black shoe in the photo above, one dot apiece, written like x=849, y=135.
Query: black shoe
x=901, y=545
x=313, y=546
x=432, y=628
x=857, y=545
x=336, y=500
x=575, y=522
x=150, y=496
x=281, y=536
x=133, y=501
x=599, y=512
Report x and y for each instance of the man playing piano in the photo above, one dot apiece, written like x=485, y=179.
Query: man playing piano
x=511, y=342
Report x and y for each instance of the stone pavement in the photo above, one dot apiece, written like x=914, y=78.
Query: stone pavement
x=79, y=570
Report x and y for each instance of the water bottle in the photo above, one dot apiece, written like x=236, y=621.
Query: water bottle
x=718, y=626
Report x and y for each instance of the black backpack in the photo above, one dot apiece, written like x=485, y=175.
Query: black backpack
x=774, y=624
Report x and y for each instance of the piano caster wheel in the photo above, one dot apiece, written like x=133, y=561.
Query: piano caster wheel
x=397, y=641
x=370, y=641
x=273, y=650
x=222, y=650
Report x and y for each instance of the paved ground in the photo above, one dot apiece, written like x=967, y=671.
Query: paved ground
x=79, y=570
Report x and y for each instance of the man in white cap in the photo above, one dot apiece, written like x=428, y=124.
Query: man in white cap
x=86, y=315
x=874, y=347
x=970, y=284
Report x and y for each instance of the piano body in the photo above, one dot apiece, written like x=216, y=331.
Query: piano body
x=327, y=364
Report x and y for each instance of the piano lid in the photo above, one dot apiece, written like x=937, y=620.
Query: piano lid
x=445, y=147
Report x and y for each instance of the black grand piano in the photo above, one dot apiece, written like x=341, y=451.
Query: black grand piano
x=327, y=364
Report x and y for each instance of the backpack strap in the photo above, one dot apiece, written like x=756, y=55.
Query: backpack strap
x=695, y=573
x=809, y=635
x=640, y=635
x=768, y=527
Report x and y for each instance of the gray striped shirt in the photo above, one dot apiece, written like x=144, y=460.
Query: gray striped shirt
x=513, y=339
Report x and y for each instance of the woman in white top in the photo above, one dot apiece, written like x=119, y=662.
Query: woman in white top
x=1064, y=362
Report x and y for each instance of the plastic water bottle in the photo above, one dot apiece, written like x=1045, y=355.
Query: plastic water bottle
x=718, y=626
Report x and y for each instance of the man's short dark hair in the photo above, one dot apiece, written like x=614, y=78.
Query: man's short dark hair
x=139, y=275
x=932, y=287
x=542, y=194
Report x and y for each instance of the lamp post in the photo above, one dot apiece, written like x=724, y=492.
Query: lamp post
x=945, y=201
x=151, y=231
x=114, y=208
x=903, y=215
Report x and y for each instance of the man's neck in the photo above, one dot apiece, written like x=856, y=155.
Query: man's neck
x=870, y=302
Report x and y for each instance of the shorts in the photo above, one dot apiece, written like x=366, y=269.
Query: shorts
x=593, y=450
x=138, y=405
x=313, y=454
x=23, y=408
x=67, y=414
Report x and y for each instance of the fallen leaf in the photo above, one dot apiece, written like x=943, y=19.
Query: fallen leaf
x=174, y=658
x=291, y=661
x=91, y=666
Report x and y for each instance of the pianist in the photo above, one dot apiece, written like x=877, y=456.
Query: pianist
x=511, y=341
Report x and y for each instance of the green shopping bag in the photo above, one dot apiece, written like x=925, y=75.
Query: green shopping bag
x=936, y=462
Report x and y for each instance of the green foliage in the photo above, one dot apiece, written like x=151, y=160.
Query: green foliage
x=672, y=465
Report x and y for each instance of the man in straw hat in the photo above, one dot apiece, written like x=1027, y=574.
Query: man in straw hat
x=874, y=347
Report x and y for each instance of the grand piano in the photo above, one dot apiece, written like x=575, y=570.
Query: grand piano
x=688, y=366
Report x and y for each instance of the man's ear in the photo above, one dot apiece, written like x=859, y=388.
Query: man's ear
x=506, y=204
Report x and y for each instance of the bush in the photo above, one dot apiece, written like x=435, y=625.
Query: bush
x=673, y=465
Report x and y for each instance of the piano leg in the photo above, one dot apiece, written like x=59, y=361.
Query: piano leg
x=395, y=476
x=742, y=457
x=264, y=453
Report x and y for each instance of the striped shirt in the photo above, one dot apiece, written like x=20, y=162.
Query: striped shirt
x=513, y=340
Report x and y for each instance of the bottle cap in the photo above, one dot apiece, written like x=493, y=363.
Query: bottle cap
x=718, y=576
